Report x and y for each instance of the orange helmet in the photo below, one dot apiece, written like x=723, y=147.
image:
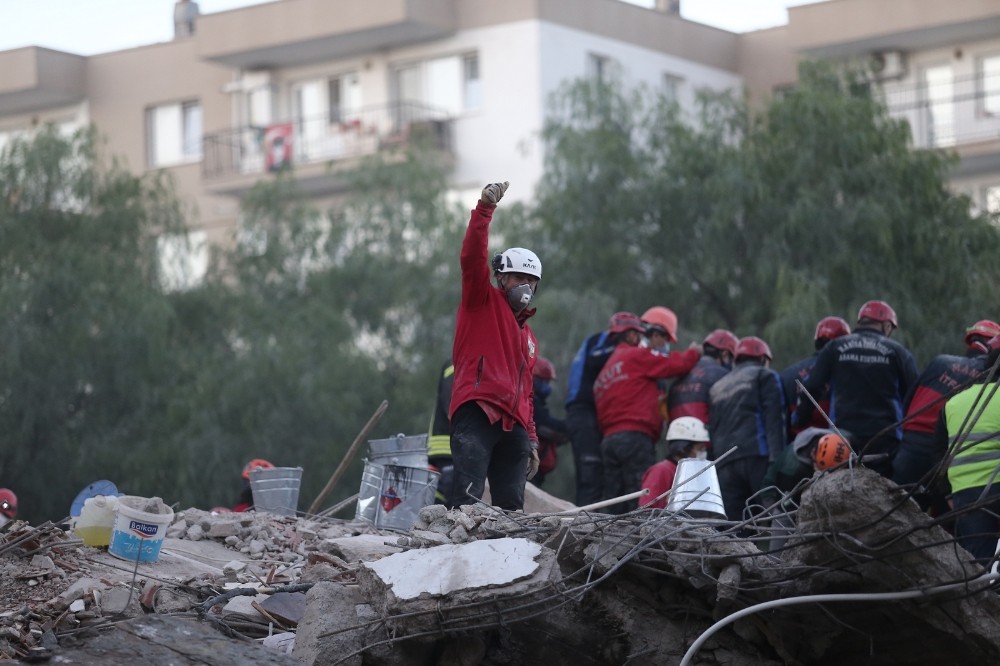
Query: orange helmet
x=8, y=503
x=256, y=463
x=830, y=451
x=984, y=329
x=662, y=320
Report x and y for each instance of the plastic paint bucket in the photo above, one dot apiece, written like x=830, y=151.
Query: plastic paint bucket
x=138, y=533
x=276, y=490
x=696, y=489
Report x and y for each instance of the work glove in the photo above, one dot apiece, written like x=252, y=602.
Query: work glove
x=493, y=193
x=533, y=461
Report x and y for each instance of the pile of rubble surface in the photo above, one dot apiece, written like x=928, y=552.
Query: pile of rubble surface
x=480, y=585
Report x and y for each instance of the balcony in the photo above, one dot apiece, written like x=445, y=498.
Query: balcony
x=960, y=114
x=319, y=148
x=299, y=32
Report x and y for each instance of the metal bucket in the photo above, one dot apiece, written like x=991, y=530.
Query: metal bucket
x=405, y=490
x=276, y=489
x=371, y=487
x=696, y=489
x=405, y=450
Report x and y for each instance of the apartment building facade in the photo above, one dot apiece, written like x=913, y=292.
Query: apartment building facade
x=315, y=84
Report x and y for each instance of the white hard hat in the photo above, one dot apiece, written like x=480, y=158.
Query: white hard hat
x=687, y=428
x=518, y=260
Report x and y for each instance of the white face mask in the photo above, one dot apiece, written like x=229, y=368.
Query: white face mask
x=701, y=455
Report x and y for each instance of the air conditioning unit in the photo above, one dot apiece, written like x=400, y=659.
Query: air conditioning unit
x=889, y=65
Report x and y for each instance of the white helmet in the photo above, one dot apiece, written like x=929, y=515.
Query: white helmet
x=518, y=260
x=687, y=428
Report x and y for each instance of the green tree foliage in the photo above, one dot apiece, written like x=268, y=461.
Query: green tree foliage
x=762, y=220
x=84, y=325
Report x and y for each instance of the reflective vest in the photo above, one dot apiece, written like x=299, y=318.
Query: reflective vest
x=439, y=437
x=979, y=453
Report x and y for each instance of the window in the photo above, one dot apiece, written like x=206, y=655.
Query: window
x=939, y=93
x=183, y=260
x=344, y=94
x=598, y=67
x=989, y=84
x=991, y=195
x=472, y=88
x=451, y=84
x=672, y=88
x=174, y=134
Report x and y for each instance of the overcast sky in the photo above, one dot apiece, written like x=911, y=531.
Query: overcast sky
x=97, y=26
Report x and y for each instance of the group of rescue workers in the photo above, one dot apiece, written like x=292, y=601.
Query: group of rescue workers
x=858, y=398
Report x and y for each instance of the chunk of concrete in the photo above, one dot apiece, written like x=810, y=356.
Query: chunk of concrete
x=324, y=635
x=361, y=548
x=453, y=576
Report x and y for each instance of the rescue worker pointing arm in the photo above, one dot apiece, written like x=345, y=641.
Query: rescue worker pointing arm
x=492, y=420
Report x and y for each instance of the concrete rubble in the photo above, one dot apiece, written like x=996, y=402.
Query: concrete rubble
x=477, y=585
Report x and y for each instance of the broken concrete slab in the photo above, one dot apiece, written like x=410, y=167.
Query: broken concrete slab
x=361, y=548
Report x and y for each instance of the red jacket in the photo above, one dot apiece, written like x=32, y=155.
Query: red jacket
x=626, y=393
x=494, y=354
x=659, y=479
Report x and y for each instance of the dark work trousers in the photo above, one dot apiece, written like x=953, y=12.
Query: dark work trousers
x=918, y=455
x=585, y=438
x=977, y=529
x=446, y=479
x=481, y=450
x=738, y=480
x=626, y=456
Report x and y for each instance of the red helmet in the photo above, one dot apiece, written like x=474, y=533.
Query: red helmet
x=8, y=503
x=256, y=463
x=753, y=346
x=659, y=318
x=878, y=311
x=722, y=339
x=625, y=321
x=544, y=369
x=830, y=328
x=983, y=328
x=830, y=451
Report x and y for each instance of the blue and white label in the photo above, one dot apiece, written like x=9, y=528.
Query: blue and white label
x=144, y=530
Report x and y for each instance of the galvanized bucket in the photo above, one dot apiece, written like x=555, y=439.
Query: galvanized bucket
x=696, y=490
x=404, y=491
x=406, y=450
x=276, y=489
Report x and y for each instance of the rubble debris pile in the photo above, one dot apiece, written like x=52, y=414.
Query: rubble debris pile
x=478, y=585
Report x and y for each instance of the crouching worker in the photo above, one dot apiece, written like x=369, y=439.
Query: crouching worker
x=812, y=450
x=687, y=437
x=245, y=502
x=492, y=420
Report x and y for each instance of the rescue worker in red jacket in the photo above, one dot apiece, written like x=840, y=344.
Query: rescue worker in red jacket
x=627, y=400
x=492, y=420
x=687, y=437
x=868, y=375
x=746, y=413
x=828, y=328
x=920, y=452
x=688, y=396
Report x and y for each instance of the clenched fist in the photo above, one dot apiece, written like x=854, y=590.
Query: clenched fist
x=493, y=193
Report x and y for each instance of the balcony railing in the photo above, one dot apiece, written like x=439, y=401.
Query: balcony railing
x=948, y=113
x=339, y=134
